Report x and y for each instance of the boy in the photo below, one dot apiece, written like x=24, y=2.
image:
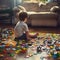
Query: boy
x=21, y=28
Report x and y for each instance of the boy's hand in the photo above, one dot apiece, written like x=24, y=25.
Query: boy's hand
x=37, y=34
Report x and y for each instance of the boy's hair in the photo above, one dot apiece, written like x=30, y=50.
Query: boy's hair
x=22, y=16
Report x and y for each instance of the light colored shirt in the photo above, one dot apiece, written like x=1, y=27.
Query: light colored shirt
x=20, y=28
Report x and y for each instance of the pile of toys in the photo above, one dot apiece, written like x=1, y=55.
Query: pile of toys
x=46, y=42
x=21, y=47
x=8, y=46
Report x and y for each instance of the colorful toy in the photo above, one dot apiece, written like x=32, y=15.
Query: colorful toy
x=38, y=49
x=58, y=54
x=11, y=54
x=55, y=55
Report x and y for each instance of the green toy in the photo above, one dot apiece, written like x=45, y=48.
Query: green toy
x=11, y=54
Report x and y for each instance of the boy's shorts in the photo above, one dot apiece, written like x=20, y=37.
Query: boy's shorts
x=23, y=37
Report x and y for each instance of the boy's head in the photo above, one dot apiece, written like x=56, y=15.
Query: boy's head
x=23, y=16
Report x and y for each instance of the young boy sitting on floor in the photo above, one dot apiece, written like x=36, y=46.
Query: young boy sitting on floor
x=21, y=28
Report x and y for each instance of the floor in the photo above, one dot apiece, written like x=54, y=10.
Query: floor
x=46, y=29
x=38, y=29
x=38, y=56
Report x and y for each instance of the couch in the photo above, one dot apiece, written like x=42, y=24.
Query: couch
x=41, y=15
x=42, y=18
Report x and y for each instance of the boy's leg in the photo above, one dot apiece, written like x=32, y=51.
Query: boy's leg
x=23, y=37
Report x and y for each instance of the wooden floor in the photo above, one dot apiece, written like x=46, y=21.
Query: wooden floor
x=39, y=29
x=45, y=29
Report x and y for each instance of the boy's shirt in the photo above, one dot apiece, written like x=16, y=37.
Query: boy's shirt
x=21, y=28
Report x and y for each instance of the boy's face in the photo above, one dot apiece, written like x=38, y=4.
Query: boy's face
x=25, y=20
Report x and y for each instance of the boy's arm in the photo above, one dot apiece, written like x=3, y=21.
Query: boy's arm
x=16, y=35
x=29, y=35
